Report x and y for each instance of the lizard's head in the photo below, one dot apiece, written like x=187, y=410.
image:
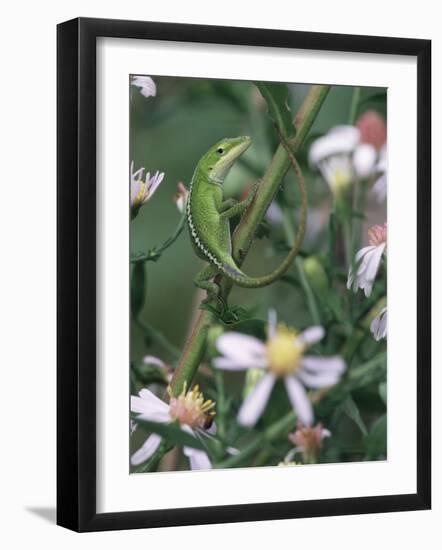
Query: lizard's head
x=219, y=159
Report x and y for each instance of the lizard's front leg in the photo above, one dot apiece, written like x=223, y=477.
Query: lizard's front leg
x=227, y=204
x=231, y=208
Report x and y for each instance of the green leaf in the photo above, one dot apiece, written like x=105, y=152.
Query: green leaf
x=376, y=440
x=276, y=97
x=171, y=432
x=350, y=408
x=383, y=391
x=368, y=372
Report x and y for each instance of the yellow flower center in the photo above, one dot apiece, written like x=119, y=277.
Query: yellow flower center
x=140, y=195
x=190, y=409
x=284, y=351
x=340, y=180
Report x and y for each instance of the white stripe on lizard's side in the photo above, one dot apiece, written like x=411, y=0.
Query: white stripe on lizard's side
x=194, y=234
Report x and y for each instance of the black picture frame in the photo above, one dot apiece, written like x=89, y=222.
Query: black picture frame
x=76, y=272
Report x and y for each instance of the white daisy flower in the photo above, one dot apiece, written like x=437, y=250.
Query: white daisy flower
x=141, y=191
x=282, y=356
x=367, y=261
x=380, y=186
x=146, y=84
x=194, y=414
x=378, y=326
x=341, y=157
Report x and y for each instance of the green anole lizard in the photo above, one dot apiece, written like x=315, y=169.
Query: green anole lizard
x=208, y=217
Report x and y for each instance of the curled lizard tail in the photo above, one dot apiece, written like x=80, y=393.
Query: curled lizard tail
x=232, y=271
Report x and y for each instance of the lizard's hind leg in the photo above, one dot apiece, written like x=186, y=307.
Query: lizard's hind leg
x=204, y=280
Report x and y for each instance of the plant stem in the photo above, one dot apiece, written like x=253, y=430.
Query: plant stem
x=158, y=338
x=356, y=97
x=309, y=295
x=154, y=254
x=193, y=352
x=348, y=241
x=245, y=231
x=221, y=403
x=275, y=431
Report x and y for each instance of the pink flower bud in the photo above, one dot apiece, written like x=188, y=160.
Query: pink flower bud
x=309, y=441
x=372, y=128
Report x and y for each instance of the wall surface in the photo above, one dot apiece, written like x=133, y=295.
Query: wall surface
x=27, y=277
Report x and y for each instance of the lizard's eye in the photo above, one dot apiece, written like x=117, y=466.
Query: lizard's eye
x=220, y=151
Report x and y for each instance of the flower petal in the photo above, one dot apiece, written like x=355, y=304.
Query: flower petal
x=256, y=401
x=135, y=188
x=146, y=450
x=382, y=162
x=316, y=364
x=213, y=429
x=233, y=451
x=312, y=335
x=318, y=380
x=230, y=363
x=379, y=188
x=274, y=213
x=364, y=160
x=149, y=406
x=340, y=140
x=135, y=175
x=153, y=184
x=299, y=400
x=146, y=84
x=152, y=360
x=198, y=459
x=240, y=352
x=378, y=326
x=161, y=417
x=272, y=323
x=368, y=260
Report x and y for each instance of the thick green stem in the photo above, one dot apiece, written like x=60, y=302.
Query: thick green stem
x=246, y=229
x=193, y=353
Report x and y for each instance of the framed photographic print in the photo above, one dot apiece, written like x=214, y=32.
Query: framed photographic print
x=225, y=200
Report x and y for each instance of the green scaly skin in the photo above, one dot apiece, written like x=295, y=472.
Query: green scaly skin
x=208, y=217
